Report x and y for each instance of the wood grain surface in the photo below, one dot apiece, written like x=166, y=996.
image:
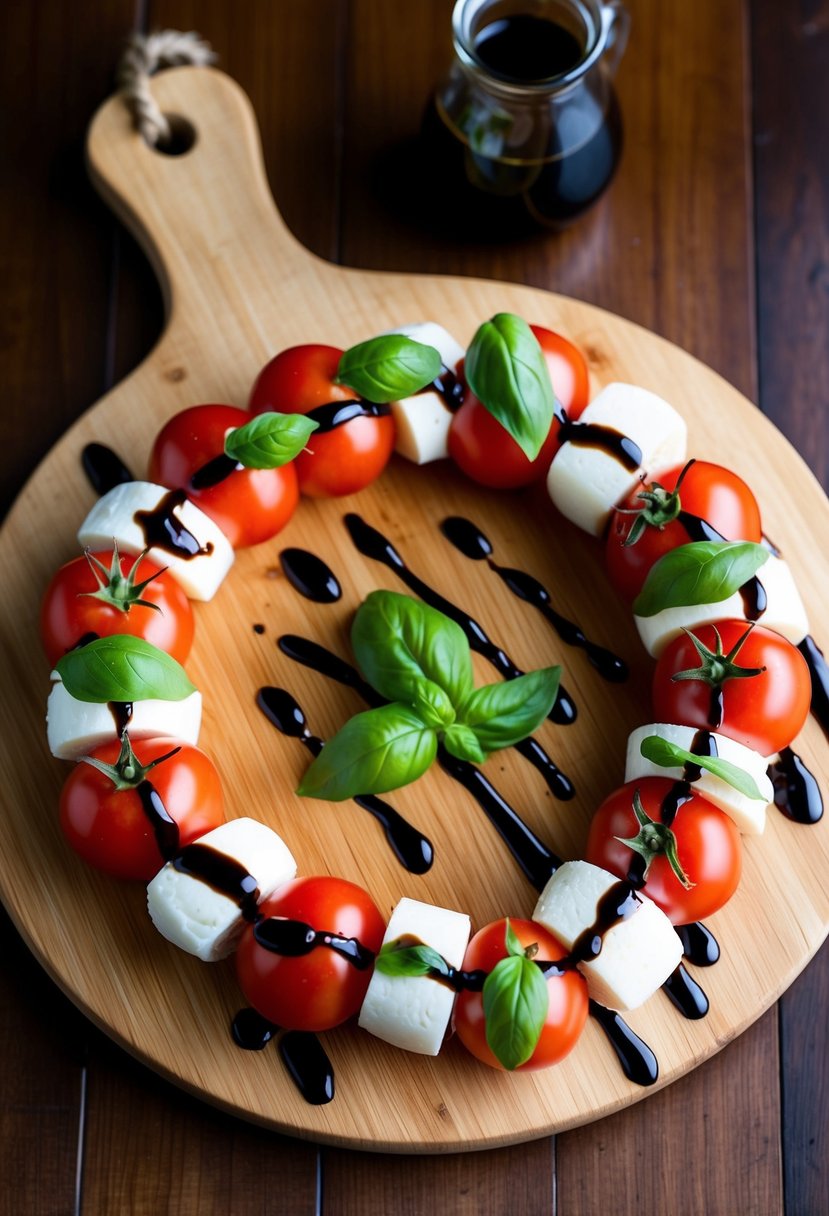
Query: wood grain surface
x=648, y=251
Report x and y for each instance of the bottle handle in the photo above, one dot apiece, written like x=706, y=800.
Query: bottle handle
x=615, y=31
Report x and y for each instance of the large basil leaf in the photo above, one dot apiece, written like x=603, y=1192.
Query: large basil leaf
x=504, y=713
x=669, y=755
x=375, y=751
x=123, y=668
x=515, y=1008
x=703, y=572
x=269, y=440
x=506, y=370
x=402, y=957
x=388, y=368
x=399, y=642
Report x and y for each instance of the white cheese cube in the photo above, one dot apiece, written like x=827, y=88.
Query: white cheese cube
x=749, y=814
x=74, y=728
x=638, y=953
x=193, y=913
x=198, y=564
x=586, y=481
x=784, y=613
x=422, y=421
x=413, y=1012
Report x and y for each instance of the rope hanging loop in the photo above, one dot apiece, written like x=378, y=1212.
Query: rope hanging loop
x=146, y=54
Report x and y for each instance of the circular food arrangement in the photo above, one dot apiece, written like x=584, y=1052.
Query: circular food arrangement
x=734, y=670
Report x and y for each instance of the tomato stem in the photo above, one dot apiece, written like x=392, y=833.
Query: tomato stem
x=661, y=507
x=654, y=840
x=116, y=589
x=715, y=666
x=127, y=772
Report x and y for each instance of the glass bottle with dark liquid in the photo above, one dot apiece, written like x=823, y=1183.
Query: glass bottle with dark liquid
x=525, y=129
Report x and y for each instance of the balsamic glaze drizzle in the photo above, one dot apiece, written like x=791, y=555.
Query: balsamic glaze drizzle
x=309, y=575
x=165, y=828
x=121, y=714
x=796, y=792
x=251, y=1031
x=215, y=471
x=592, y=435
x=411, y=848
x=819, y=671
x=372, y=544
x=638, y=1062
x=686, y=994
x=164, y=530
x=450, y=388
x=104, y=469
x=308, y=1066
x=472, y=542
x=337, y=413
x=699, y=945
x=221, y=872
x=293, y=939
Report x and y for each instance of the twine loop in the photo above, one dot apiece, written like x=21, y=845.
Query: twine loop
x=146, y=54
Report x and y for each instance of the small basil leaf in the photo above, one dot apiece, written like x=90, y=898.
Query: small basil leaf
x=123, y=668
x=388, y=368
x=511, y=942
x=504, y=713
x=507, y=372
x=400, y=957
x=669, y=755
x=461, y=741
x=433, y=705
x=269, y=440
x=703, y=572
x=515, y=1008
x=399, y=641
x=375, y=751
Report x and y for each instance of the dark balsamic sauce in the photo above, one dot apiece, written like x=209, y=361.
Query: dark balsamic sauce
x=638, y=1062
x=449, y=387
x=412, y=849
x=617, y=903
x=214, y=472
x=222, y=873
x=469, y=539
x=121, y=715
x=338, y=413
x=104, y=469
x=614, y=443
x=372, y=544
x=293, y=939
x=796, y=792
x=251, y=1031
x=819, y=671
x=686, y=994
x=699, y=945
x=308, y=1066
x=164, y=530
x=258, y=628
x=165, y=828
x=84, y=640
x=309, y=575
x=527, y=48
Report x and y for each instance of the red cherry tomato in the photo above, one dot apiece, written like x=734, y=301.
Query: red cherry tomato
x=249, y=505
x=321, y=988
x=708, y=492
x=707, y=843
x=764, y=711
x=69, y=612
x=337, y=462
x=487, y=453
x=567, y=996
x=112, y=830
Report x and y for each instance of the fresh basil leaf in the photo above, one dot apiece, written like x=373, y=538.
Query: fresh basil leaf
x=461, y=741
x=703, y=572
x=388, y=368
x=269, y=440
x=399, y=641
x=507, y=372
x=504, y=713
x=515, y=1008
x=669, y=755
x=401, y=957
x=511, y=941
x=375, y=751
x=433, y=705
x=123, y=668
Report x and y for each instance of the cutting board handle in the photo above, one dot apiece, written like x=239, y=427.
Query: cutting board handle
x=205, y=218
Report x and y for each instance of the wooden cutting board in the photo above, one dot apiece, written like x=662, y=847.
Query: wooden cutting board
x=239, y=288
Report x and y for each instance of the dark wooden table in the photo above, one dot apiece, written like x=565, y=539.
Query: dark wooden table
x=716, y=235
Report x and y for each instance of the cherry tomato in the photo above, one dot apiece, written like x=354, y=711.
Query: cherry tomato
x=707, y=491
x=112, y=829
x=707, y=843
x=249, y=505
x=487, y=453
x=764, y=711
x=337, y=462
x=321, y=988
x=567, y=996
x=70, y=612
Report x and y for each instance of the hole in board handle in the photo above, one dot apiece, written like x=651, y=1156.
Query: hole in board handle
x=182, y=137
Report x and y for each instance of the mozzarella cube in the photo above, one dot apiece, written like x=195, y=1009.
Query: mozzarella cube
x=197, y=553
x=74, y=728
x=422, y=421
x=586, y=481
x=413, y=1012
x=749, y=814
x=637, y=954
x=784, y=612
x=191, y=912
